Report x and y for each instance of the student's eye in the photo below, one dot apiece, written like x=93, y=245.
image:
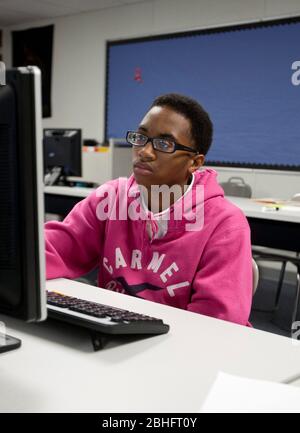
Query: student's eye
x=138, y=138
x=165, y=144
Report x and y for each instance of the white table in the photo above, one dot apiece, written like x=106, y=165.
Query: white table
x=273, y=229
x=56, y=368
x=254, y=209
x=74, y=191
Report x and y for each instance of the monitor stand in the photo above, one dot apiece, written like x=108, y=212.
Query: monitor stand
x=7, y=342
x=55, y=176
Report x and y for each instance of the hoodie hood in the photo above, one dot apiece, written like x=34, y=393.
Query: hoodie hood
x=208, y=178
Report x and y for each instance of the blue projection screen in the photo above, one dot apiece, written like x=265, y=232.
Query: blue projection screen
x=246, y=77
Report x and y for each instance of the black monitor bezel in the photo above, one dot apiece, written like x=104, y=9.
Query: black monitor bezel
x=30, y=266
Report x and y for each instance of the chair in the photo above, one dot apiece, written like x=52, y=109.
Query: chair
x=262, y=253
x=255, y=272
x=284, y=257
x=236, y=187
x=296, y=197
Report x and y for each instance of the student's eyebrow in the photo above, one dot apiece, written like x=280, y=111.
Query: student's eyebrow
x=143, y=128
x=162, y=135
x=167, y=136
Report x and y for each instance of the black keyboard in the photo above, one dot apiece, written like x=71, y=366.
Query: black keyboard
x=104, y=319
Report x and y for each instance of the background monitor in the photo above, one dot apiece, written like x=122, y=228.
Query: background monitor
x=62, y=155
x=22, y=249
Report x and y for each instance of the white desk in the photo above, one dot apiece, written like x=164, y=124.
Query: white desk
x=74, y=191
x=253, y=209
x=57, y=370
x=273, y=229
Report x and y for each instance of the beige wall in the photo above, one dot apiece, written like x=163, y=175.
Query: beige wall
x=79, y=63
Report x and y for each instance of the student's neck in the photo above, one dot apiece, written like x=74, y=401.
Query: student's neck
x=157, y=201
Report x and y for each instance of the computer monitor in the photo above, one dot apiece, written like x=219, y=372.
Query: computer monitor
x=62, y=155
x=22, y=249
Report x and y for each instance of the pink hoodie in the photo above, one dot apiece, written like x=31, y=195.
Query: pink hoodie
x=207, y=270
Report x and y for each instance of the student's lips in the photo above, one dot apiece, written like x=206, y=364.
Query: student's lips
x=143, y=169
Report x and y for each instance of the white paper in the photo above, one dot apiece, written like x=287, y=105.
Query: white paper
x=232, y=394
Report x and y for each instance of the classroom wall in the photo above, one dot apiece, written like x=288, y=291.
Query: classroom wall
x=79, y=66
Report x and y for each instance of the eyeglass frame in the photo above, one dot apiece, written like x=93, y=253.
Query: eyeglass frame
x=177, y=146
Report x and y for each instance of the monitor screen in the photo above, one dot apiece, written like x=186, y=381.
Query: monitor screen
x=62, y=154
x=22, y=256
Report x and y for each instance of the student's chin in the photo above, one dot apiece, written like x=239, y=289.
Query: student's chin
x=145, y=181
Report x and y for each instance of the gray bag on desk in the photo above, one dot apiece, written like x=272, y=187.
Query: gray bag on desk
x=236, y=186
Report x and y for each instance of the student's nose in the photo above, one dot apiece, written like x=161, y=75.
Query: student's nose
x=147, y=152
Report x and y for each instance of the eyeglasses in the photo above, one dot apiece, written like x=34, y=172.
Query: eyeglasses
x=161, y=144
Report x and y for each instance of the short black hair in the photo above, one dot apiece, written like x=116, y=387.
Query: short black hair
x=201, y=125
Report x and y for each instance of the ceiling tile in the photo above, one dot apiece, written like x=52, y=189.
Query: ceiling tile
x=13, y=12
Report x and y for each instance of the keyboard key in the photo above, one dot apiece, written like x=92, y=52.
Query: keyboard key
x=102, y=318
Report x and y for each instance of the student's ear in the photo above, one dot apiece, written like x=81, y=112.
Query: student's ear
x=196, y=163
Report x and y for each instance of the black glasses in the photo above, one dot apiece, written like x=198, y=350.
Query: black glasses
x=165, y=145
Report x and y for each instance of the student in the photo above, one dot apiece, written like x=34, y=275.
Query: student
x=192, y=253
